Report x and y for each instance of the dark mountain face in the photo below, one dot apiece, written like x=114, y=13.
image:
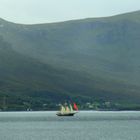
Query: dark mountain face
x=96, y=58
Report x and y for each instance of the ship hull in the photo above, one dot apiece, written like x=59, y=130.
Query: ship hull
x=65, y=114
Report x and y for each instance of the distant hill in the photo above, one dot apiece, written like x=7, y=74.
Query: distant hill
x=88, y=60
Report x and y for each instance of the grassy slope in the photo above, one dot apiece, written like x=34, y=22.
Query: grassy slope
x=24, y=79
x=96, y=58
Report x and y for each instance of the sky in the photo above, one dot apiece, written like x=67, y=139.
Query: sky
x=48, y=11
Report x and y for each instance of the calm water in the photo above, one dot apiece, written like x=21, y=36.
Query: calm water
x=83, y=126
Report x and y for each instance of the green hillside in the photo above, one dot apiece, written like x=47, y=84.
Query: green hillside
x=90, y=60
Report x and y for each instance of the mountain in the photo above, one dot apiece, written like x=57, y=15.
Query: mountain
x=88, y=60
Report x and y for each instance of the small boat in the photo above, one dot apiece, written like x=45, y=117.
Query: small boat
x=67, y=110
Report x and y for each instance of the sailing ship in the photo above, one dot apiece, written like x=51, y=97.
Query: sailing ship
x=67, y=110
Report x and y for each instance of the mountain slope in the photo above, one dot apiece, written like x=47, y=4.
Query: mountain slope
x=96, y=58
x=24, y=78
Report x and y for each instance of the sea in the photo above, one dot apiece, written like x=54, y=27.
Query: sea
x=85, y=125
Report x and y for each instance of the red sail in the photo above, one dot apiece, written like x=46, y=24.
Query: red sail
x=75, y=106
